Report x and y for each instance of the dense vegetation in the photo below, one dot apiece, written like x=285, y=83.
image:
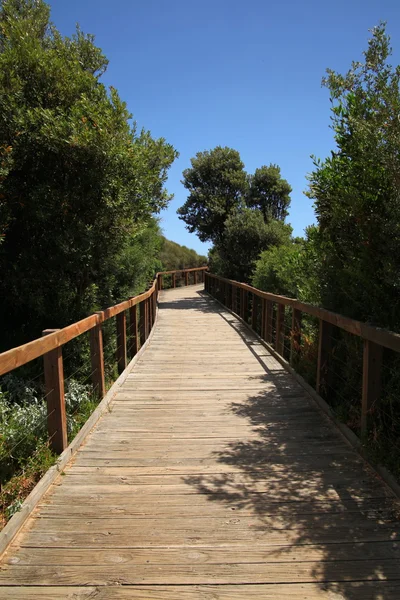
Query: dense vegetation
x=79, y=185
x=174, y=256
x=80, y=189
x=241, y=214
x=350, y=261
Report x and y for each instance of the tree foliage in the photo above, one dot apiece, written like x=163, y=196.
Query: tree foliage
x=241, y=214
x=356, y=190
x=78, y=183
x=245, y=236
x=217, y=185
x=292, y=268
x=269, y=193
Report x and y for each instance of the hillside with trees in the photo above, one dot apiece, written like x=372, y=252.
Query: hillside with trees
x=174, y=256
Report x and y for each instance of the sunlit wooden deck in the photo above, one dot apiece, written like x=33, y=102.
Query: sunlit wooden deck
x=214, y=476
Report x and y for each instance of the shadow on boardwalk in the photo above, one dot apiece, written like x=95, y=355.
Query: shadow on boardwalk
x=320, y=494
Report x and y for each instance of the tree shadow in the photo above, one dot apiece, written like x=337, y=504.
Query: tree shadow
x=315, y=501
x=200, y=302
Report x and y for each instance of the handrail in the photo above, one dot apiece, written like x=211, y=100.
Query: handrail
x=378, y=335
x=374, y=338
x=50, y=347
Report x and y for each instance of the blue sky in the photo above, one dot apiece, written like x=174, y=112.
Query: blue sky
x=245, y=74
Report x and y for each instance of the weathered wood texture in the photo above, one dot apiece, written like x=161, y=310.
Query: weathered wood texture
x=213, y=476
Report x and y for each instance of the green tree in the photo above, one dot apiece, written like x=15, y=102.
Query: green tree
x=291, y=269
x=78, y=183
x=217, y=185
x=269, y=193
x=356, y=190
x=245, y=236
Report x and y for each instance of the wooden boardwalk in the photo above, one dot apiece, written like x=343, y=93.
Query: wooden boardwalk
x=214, y=476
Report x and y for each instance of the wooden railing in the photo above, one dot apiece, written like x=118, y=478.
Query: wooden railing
x=266, y=307
x=142, y=314
x=195, y=274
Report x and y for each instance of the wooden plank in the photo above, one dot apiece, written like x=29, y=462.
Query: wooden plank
x=280, y=321
x=268, y=321
x=324, y=374
x=226, y=537
x=54, y=388
x=254, y=313
x=212, y=466
x=205, y=555
x=245, y=306
x=122, y=360
x=240, y=573
x=142, y=323
x=133, y=331
x=295, y=338
x=97, y=360
x=371, y=383
x=365, y=590
x=182, y=506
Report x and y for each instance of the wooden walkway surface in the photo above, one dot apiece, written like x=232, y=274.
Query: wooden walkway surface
x=214, y=476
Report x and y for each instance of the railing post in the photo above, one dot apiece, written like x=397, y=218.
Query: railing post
x=324, y=351
x=280, y=317
x=133, y=331
x=295, y=338
x=54, y=386
x=97, y=357
x=154, y=305
x=254, y=312
x=186, y=278
x=121, y=342
x=263, y=315
x=195, y=277
x=173, y=280
x=146, y=318
x=160, y=282
x=371, y=382
x=142, y=332
x=268, y=321
x=150, y=313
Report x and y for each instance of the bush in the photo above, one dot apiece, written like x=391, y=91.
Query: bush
x=24, y=449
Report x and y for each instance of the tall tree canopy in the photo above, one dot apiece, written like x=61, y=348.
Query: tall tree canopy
x=78, y=183
x=241, y=214
x=217, y=185
x=269, y=193
x=357, y=189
